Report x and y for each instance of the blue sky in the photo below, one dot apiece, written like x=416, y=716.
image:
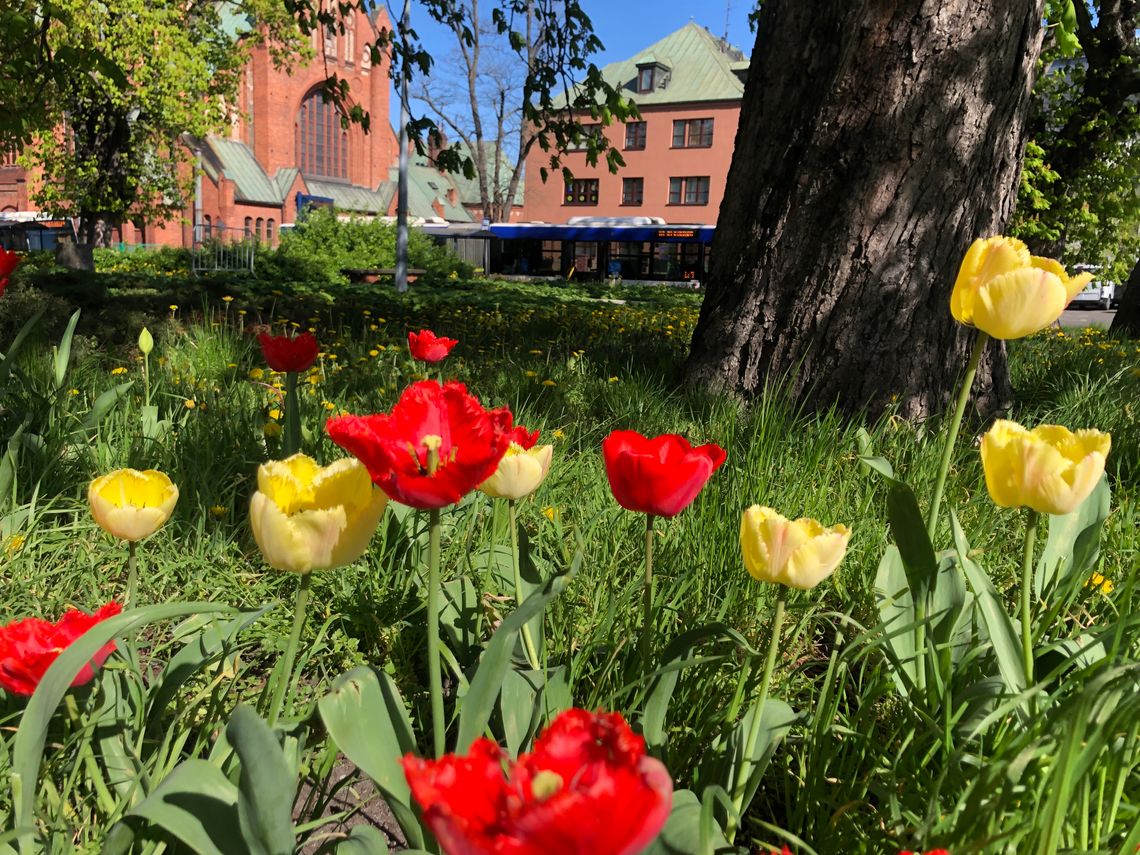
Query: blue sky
x=625, y=27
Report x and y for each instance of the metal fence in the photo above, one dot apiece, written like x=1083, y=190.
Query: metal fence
x=219, y=248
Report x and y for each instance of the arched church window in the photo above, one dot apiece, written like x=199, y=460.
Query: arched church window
x=322, y=144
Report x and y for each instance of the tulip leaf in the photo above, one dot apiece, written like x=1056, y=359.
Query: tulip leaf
x=103, y=405
x=367, y=719
x=1073, y=545
x=459, y=616
x=198, y=805
x=62, y=354
x=682, y=832
x=31, y=736
x=266, y=785
x=896, y=616
x=363, y=840
x=999, y=626
x=518, y=707
x=479, y=702
x=909, y=530
x=9, y=356
x=675, y=658
x=776, y=719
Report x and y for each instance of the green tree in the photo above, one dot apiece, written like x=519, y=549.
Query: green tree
x=124, y=86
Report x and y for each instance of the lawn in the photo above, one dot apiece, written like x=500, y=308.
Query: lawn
x=864, y=766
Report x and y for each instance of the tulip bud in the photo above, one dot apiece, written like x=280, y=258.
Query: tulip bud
x=797, y=553
x=146, y=342
x=1049, y=469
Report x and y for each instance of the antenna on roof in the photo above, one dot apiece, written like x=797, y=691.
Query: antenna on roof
x=727, y=10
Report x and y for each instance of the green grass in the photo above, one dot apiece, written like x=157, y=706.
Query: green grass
x=858, y=775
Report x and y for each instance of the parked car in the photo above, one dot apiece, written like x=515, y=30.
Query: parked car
x=1099, y=291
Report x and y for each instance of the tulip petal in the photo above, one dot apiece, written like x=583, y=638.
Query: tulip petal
x=1018, y=304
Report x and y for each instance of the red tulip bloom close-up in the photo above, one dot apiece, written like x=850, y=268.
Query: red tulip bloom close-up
x=9, y=261
x=588, y=788
x=659, y=476
x=289, y=353
x=431, y=425
x=29, y=646
x=523, y=438
x=426, y=346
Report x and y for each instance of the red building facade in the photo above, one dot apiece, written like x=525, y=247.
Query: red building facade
x=688, y=89
x=283, y=144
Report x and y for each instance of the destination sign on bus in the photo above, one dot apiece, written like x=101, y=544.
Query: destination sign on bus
x=685, y=234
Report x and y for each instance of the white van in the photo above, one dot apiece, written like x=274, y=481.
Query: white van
x=1102, y=292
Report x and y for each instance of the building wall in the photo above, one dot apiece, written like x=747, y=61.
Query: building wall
x=656, y=164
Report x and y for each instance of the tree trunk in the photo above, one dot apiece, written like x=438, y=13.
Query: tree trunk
x=1127, y=320
x=877, y=139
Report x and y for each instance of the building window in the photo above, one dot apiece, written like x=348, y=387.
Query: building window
x=260, y=228
x=330, y=42
x=582, y=191
x=270, y=228
x=588, y=133
x=366, y=57
x=350, y=38
x=322, y=144
x=692, y=133
x=645, y=79
x=550, y=257
x=634, y=136
x=249, y=226
x=632, y=191
x=206, y=226
x=689, y=190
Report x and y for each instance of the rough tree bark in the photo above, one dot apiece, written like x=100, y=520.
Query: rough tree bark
x=1127, y=319
x=876, y=140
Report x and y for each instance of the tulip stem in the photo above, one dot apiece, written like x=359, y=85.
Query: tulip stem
x=146, y=377
x=435, y=681
x=132, y=572
x=528, y=639
x=292, y=415
x=757, y=719
x=952, y=434
x=1027, y=595
x=285, y=677
x=647, y=599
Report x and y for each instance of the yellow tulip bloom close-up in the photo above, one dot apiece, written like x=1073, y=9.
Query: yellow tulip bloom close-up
x=796, y=553
x=1050, y=469
x=520, y=472
x=1007, y=293
x=309, y=517
x=132, y=504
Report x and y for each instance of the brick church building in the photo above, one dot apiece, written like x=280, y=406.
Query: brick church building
x=285, y=147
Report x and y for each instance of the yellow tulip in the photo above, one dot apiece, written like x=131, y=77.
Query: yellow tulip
x=797, y=553
x=130, y=504
x=520, y=472
x=1004, y=291
x=307, y=517
x=1049, y=469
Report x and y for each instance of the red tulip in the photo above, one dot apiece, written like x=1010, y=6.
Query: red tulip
x=9, y=261
x=522, y=437
x=588, y=788
x=468, y=441
x=289, y=353
x=426, y=346
x=931, y=852
x=659, y=476
x=29, y=646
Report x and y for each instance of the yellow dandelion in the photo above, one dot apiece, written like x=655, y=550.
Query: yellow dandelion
x=271, y=430
x=218, y=511
x=190, y=403
x=226, y=299
x=549, y=383
x=256, y=373
x=275, y=414
x=374, y=352
x=73, y=392
x=119, y=370
x=1096, y=580
x=550, y=512
x=531, y=373
x=558, y=433
x=328, y=405
x=613, y=380
x=14, y=544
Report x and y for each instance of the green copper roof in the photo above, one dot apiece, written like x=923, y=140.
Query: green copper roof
x=349, y=197
x=469, y=189
x=237, y=162
x=425, y=185
x=701, y=66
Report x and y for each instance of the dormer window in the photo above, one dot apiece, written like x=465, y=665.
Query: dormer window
x=651, y=74
x=645, y=78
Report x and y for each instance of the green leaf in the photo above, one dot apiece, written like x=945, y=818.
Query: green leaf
x=367, y=720
x=675, y=658
x=682, y=832
x=363, y=840
x=266, y=785
x=518, y=707
x=908, y=529
x=776, y=720
x=459, y=614
x=197, y=804
x=103, y=405
x=62, y=356
x=479, y=702
x=999, y=625
x=9, y=356
x=896, y=615
x=1073, y=545
x=28, y=746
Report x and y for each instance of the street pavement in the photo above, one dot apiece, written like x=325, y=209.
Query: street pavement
x=1082, y=318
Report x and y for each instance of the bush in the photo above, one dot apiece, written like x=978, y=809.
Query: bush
x=161, y=261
